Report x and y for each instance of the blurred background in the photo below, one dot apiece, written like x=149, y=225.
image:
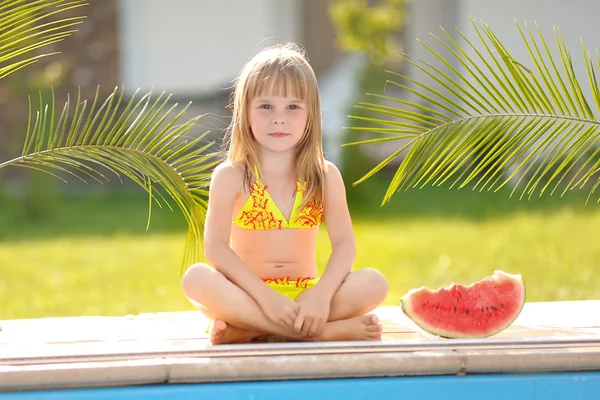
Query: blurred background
x=76, y=249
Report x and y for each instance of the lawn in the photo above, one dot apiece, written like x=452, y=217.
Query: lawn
x=92, y=255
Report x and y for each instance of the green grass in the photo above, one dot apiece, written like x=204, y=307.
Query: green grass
x=92, y=256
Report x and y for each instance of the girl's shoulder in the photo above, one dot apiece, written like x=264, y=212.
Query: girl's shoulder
x=329, y=166
x=229, y=168
x=334, y=186
x=331, y=171
x=227, y=174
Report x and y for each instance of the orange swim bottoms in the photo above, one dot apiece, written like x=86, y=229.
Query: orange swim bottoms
x=290, y=288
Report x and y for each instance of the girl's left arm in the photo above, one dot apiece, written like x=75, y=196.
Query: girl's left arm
x=340, y=231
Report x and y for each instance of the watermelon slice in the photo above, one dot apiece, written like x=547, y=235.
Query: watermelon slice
x=479, y=310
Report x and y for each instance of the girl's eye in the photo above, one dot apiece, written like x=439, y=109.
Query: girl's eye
x=266, y=106
x=294, y=107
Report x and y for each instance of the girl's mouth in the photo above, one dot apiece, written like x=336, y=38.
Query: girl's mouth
x=278, y=134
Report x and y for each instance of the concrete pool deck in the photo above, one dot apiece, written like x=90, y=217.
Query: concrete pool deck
x=162, y=348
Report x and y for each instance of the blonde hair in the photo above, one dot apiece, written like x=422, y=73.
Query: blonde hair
x=279, y=68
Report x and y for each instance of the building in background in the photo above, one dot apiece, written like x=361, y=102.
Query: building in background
x=196, y=48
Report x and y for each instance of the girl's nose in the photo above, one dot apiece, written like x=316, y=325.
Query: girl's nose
x=278, y=120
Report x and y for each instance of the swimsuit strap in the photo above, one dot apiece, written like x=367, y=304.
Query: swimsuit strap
x=256, y=173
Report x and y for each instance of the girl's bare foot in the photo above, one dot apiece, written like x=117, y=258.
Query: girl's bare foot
x=366, y=327
x=222, y=333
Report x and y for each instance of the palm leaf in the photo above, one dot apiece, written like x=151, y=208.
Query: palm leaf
x=26, y=26
x=139, y=140
x=491, y=118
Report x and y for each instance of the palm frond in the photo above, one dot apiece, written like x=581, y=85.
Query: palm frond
x=139, y=140
x=28, y=25
x=491, y=119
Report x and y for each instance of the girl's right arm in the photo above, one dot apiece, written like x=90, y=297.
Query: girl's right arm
x=224, y=188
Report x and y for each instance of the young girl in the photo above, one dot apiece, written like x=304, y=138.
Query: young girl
x=265, y=205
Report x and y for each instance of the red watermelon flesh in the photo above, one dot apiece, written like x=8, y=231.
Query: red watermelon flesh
x=479, y=310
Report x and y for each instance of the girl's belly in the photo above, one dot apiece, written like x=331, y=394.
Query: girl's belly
x=277, y=253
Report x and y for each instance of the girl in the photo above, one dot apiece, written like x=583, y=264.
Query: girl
x=266, y=202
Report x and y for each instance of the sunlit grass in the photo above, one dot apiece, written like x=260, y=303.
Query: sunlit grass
x=92, y=256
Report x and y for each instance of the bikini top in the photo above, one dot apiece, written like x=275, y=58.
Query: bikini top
x=261, y=213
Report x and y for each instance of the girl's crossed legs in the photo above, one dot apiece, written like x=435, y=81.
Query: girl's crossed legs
x=361, y=292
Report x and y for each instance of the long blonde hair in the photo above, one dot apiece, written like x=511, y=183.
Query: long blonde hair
x=279, y=68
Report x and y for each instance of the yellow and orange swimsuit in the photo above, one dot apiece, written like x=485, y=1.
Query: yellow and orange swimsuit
x=261, y=213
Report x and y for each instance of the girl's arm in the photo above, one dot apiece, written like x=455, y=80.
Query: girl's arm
x=340, y=231
x=224, y=188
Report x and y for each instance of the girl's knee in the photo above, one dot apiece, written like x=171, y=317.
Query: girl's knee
x=195, y=277
x=374, y=284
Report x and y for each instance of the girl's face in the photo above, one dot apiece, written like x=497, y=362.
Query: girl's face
x=278, y=122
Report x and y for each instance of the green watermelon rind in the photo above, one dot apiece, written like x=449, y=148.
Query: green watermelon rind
x=406, y=303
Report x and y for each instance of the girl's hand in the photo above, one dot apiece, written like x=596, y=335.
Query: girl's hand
x=313, y=313
x=279, y=309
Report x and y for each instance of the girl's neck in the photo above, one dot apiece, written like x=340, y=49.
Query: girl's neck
x=277, y=163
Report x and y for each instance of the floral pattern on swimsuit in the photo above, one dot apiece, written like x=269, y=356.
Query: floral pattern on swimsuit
x=300, y=283
x=261, y=213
